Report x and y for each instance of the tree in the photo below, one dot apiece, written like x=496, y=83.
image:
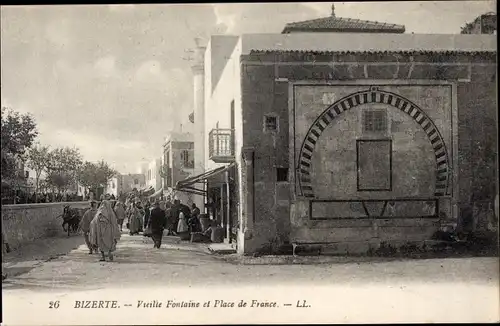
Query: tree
x=38, y=160
x=62, y=168
x=105, y=173
x=483, y=24
x=95, y=175
x=18, y=133
x=87, y=175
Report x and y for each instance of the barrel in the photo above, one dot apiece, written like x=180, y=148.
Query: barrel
x=217, y=235
x=185, y=236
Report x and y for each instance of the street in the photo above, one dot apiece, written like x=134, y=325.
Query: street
x=432, y=289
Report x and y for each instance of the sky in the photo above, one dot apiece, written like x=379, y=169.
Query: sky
x=114, y=80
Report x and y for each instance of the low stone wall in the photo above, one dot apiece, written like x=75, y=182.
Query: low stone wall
x=24, y=223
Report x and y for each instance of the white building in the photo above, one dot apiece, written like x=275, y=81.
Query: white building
x=114, y=186
x=153, y=178
x=130, y=182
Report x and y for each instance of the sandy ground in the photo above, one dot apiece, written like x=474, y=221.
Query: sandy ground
x=359, y=290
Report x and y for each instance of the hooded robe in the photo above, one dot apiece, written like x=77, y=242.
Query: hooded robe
x=104, y=230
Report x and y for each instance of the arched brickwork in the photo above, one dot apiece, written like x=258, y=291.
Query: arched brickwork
x=373, y=95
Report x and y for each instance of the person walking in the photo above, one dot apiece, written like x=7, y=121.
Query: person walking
x=104, y=231
x=120, y=213
x=147, y=212
x=182, y=226
x=141, y=214
x=87, y=218
x=157, y=222
x=174, y=211
x=134, y=219
x=194, y=221
x=168, y=217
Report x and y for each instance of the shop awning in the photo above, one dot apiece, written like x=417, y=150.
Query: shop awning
x=188, y=185
x=148, y=191
x=156, y=194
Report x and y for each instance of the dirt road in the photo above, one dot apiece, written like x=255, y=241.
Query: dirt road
x=412, y=290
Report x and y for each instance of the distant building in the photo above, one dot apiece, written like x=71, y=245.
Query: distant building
x=20, y=178
x=153, y=178
x=132, y=181
x=178, y=161
x=114, y=186
x=142, y=168
x=484, y=24
x=118, y=185
x=81, y=190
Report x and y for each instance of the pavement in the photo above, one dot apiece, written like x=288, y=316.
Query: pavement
x=455, y=285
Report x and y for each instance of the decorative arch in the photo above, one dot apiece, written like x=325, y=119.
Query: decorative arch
x=373, y=95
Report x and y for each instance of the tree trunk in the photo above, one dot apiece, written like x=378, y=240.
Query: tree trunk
x=37, y=180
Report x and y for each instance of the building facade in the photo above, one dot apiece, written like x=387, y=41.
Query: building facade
x=484, y=24
x=178, y=164
x=346, y=141
x=114, y=186
x=130, y=182
x=153, y=178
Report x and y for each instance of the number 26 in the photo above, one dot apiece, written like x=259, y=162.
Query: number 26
x=53, y=304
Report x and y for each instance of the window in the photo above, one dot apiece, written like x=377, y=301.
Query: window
x=169, y=179
x=167, y=158
x=136, y=181
x=270, y=123
x=375, y=121
x=281, y=174
x=187, y=158
x=113, y=185
x=184, y=156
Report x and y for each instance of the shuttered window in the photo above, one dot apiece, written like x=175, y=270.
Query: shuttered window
x=375, y=121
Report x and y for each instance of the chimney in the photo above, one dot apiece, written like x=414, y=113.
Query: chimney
x=333, y=10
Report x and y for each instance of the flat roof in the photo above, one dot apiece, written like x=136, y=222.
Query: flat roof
x=179, y=137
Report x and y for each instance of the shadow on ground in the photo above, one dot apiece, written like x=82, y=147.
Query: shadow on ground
x=27, y=257
x=70, y=266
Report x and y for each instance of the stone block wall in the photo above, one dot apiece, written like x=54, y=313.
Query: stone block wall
x=265, y=81
x=262, y=96
x=478, y=135
x=22, y=224
x=334, y=161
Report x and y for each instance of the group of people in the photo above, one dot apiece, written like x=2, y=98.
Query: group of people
x=152, y=219
x=22, y=197
x=102, y=224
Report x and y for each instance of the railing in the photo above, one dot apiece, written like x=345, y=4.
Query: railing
x=221, y=145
